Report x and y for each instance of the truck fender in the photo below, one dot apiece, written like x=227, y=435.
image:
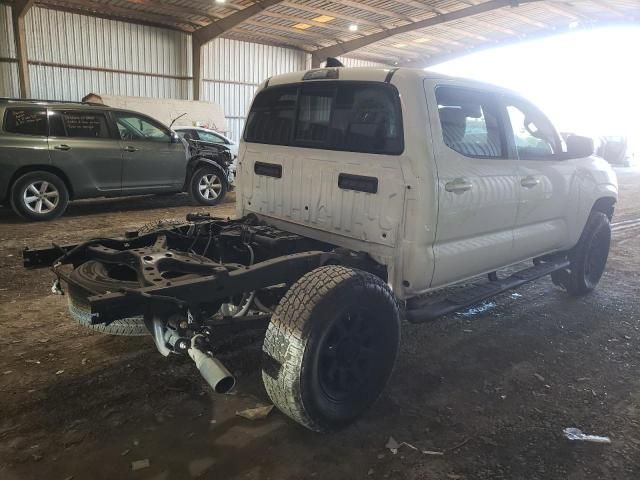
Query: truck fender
x=606, y=202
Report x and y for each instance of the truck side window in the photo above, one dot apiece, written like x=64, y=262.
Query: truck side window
x=26, y=121
x=470, y=122
x=533, y=135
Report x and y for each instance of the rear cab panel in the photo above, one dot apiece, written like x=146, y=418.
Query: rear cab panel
x=343, y=192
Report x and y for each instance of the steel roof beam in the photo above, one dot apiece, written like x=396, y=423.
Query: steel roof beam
x=351, y=45
x=215, y=29
x=331, y=13
x=219, y=27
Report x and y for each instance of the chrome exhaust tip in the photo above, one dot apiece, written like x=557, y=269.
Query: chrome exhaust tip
x=212, y=370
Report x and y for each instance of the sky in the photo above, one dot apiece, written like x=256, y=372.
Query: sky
x=586, y=81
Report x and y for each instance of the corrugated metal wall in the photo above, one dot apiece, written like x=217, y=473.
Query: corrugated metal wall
x=8, y=65
x=84, y=54
x=71, y=55
x=232, y=83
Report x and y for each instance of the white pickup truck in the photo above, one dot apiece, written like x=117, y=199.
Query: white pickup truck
x=360, y=191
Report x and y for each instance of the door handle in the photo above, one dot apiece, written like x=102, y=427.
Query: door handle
x=529, y=182
x=458, y=185
x=130, y=148
x=62, y=147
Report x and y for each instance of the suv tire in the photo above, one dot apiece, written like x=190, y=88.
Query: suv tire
x=207, y=186
x=39, y=196
x=331, y=346
x=97, y=277
x=588, y=258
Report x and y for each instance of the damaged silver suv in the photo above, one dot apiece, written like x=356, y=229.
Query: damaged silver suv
x=53, y=152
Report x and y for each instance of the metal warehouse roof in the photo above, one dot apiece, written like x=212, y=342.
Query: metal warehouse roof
x=413, y=32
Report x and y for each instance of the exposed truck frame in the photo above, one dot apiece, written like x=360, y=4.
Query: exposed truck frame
x=205, y=270
x=189, y=271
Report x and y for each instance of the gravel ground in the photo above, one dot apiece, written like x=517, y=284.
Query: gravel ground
x=491, y=388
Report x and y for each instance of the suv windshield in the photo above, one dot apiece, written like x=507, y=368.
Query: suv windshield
x=348, y=116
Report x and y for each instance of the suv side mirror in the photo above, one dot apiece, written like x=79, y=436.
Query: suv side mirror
x=175, y=138
x=579, y=147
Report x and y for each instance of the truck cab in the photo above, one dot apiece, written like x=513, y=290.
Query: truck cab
x=439, y=179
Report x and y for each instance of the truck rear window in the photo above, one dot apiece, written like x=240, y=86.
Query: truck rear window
x=347, y=116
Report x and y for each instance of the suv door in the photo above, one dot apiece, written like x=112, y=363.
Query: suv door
x=477, y=183
x=153, y=158
x=546, y=190
x=84, y=146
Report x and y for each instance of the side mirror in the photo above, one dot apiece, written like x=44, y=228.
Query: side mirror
x=175, y=138
x=579, y=147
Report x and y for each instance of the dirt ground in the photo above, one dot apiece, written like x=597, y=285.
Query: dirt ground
x=492, y=388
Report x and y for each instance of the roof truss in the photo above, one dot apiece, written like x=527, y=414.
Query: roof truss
x=426, y=29
x=346, y=47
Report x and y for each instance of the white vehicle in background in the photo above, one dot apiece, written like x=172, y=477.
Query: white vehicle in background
x=208, y=135
x=168, y=110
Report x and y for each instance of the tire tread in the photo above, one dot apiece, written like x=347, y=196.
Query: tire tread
x=287, y=335
x=574, y=283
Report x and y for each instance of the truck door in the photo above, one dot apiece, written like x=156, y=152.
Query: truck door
x=153, y=160
x=477, y=183
x=545, y=182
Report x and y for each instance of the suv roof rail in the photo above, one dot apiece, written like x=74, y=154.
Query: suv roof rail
x=41, y=100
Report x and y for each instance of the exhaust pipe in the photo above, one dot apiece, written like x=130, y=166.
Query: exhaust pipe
x=211, y=369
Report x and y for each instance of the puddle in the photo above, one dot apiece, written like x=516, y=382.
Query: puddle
x=477, y=309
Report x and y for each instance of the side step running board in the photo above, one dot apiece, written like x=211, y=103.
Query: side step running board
x=419, y=312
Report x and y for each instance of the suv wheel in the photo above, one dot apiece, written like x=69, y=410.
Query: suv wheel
x=330, y=347
x=39, y=196
x=588, y=258
x=207, y=186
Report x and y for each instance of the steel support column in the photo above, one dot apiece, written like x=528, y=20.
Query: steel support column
x=18, y=11
x=196, y=66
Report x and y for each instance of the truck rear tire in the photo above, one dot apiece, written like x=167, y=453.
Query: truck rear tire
x=98, y=277
x=331, y=346
x=588, y=258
